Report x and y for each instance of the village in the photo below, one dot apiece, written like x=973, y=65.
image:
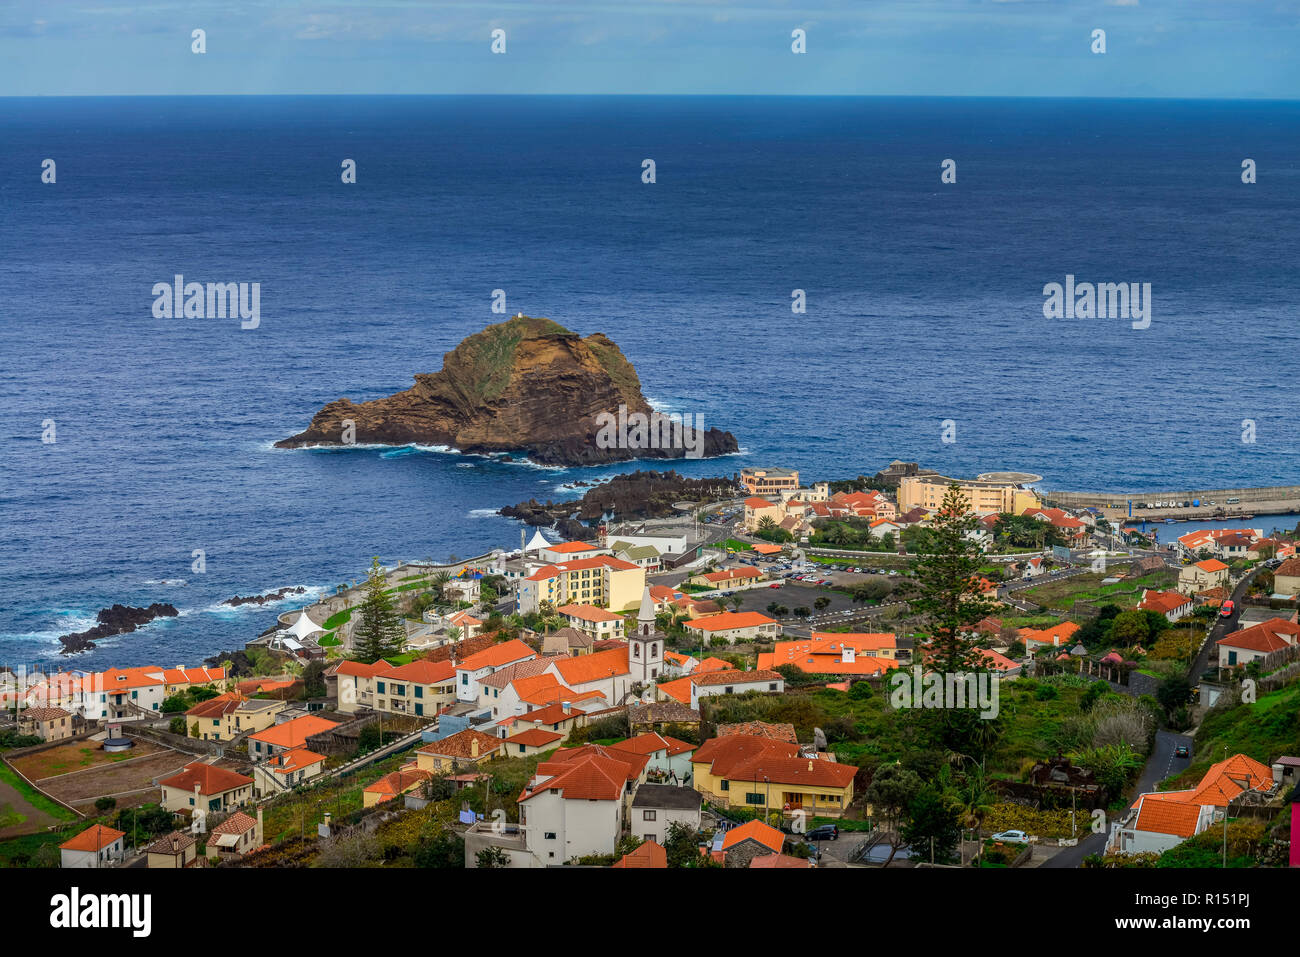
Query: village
x=710, y=690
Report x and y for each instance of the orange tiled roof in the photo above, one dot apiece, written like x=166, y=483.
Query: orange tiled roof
x=755, y=502
x=570, y=547
x=1168, y=817
x=729, y=620
x=581, y=775
x=649, y=854
x=535, y=738
x=220, y=706
x=588, y=668
x=397, y=782
x=1163, y=601
x=177, y=676
x=764, y=834
x=1267, y=636
x=294, y=759
x=94, y=838
x=498, y=655
x=733, y=677
x=421, y=671
x=237, y=823
x=780, y=860
x=1211, y=565
x=293, y=733
x=211, y=780
x=461, y=745
x=588, y=613
x=580, y=564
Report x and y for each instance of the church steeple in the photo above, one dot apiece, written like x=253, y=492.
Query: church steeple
x=645, y=646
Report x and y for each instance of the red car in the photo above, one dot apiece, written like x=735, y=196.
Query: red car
x=774, y=586
x=1226, y=610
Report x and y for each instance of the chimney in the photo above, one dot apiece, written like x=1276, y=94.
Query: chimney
x=176, y=843
x=197, y=792
x=473, y=748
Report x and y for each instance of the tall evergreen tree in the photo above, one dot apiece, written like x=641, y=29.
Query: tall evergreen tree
x=948, y=575
x=379, y=631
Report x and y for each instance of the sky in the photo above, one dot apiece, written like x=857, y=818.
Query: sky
x=1154, y=48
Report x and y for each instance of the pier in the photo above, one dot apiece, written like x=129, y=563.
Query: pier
x=1269, y=500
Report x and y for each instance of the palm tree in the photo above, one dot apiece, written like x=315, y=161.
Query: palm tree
x=438, y=583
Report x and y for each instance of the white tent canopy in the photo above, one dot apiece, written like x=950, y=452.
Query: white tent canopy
x=537, y=541
x=303, y=627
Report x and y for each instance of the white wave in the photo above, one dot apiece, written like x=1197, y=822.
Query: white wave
x=483, y=513
x=164, y=581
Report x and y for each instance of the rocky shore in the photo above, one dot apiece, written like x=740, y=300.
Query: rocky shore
x=636, y=495
x=118, y=620
x=263, y=599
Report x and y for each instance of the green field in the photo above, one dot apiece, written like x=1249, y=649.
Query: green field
x=1062, y=594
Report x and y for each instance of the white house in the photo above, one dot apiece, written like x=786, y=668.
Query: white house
x=656, y=807
x=1250, y=644
x=1034, y=567
x=572, y=807
x=667, y=756
x=97, y=846
x=483, y=663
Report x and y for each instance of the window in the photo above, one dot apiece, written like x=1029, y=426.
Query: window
x=419, y=691
x=648, y=815
x=464, y=678
x=753, y=797
x=550, y=836
x=379, y=687
x=728, y=690
x=135, y=695
x=771, y=687
x=521, y=749
x=726, y=785
x=419, y=710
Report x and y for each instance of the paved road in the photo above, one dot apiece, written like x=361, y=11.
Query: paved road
x=1222, y=626
x=1160, y=765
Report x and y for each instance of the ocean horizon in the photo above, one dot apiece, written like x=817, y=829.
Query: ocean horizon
x=925, y=306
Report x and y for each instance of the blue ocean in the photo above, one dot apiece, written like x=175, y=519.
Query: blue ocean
x=924, y=304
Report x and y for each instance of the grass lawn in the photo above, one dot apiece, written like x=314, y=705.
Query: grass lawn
x=328, y=640
x=1063, y=593
x=737, y=544
x=333, y=621
x=34, y=797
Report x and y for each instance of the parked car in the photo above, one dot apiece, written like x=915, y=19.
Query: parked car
x=826, y=832
x=1181, y=751
x=1013, y=837
x=775, y=585
x=1226, y=609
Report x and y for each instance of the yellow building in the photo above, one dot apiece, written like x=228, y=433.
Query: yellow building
x=768, y=481
x=757, y=509
x=741, y=770
x=992, y=492
x=231, y=714
x=604, y=580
